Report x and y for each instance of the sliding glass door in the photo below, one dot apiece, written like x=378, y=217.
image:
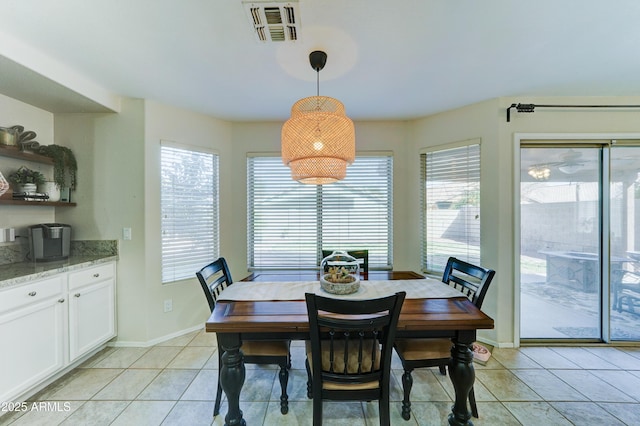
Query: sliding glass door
x=577, y=242
x=625, y=242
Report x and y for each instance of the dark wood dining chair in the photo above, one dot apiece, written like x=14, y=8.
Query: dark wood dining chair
x=349, y=353
x=361, y=255
x=214, y=278
x=472, y=281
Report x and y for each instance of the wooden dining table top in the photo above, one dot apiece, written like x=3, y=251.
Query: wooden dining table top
x=314, y=274
x=290, y=316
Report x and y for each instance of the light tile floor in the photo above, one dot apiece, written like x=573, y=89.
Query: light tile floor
x=174, y=383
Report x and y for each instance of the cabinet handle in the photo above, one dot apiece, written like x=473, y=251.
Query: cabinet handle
x=60, y=300
x=33, y=293
x=96, y=275
x=77, y=295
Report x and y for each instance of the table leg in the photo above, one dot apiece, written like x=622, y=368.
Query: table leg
x=462, y=376
x=232, y=375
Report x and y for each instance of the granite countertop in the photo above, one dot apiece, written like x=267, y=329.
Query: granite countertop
x=14, y=274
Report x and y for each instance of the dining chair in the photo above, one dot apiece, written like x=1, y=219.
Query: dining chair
x=349, y=351
x=473, y=282
x=214, y=278
x=361, y=255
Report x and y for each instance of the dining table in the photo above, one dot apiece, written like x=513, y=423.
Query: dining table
x=270, y=305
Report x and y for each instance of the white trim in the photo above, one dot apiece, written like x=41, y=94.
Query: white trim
x=517, y=140
x=189, y=147
x=566, y=136
x=157, y=340
x=451, y=145
x=516, y=240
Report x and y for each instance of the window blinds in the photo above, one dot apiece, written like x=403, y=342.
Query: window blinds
x=450, y=206
x=290, y=223
x=189, y=205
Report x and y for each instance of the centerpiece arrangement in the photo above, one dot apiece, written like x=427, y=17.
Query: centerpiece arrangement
x=340, y=273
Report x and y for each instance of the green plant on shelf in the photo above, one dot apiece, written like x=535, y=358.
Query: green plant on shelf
x=25, y=175
x=64, y=164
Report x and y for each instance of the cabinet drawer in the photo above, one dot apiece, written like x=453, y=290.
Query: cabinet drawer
x=32, y=292
x=90, y=275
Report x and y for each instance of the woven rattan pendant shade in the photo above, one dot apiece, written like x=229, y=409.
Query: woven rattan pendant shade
x=318, y=141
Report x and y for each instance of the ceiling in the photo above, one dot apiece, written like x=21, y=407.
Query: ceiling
x=398, y=59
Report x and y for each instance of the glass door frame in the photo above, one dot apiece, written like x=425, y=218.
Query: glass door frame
x=563, y=139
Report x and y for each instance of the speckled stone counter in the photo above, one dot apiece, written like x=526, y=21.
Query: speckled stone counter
x=83, y=254
x=19, y=273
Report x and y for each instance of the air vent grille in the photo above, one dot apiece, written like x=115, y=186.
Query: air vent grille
x=274, y=21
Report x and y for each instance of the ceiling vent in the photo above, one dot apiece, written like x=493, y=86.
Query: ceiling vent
x=274, y=21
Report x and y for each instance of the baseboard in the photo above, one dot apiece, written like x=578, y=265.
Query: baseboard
x=137, y=344
x=495, y=344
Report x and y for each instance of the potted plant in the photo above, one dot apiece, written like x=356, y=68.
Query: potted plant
x=26, y=180
x=64, y=165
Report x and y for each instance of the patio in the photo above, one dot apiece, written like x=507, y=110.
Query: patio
x=552, y=311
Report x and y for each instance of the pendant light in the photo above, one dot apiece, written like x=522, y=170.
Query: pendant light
x=318, y=141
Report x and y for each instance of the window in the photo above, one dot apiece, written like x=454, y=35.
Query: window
x=189, y=204
x=289, y=223
x=450, y=179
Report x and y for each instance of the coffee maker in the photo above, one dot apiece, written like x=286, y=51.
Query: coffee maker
x=49, y=241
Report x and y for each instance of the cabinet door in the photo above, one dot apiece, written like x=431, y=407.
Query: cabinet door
x=33, y=345
x=91, y=316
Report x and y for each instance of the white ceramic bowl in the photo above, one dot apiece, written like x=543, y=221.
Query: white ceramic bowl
x=340, y=288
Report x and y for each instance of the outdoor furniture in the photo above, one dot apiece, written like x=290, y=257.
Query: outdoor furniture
x=577, y=269
x=472, y=281
x=625, y=290
x=349, y=353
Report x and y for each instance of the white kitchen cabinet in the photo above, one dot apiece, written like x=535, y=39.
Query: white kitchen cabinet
x=33, y=324
x=91, y=309
x=50, y=324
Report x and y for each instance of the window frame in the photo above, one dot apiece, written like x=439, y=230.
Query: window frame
x=309, y=261
x=180, y=263
x=428, y=264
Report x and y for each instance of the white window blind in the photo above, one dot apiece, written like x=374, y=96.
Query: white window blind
x=450, y=206
x=289, y=223
x=189, y=204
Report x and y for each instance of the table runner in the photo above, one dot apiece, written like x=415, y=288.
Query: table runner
x=427, y=288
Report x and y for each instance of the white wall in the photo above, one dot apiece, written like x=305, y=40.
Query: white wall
x=118, y=156
x=110, y=151
x=264, y=137
x=119, y=173
x=478, y=121
x=487, y=121
x=167, y=123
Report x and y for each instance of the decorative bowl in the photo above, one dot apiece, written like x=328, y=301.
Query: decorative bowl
x=348, y=284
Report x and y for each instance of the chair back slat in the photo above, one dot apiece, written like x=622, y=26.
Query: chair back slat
x=362, y=256
x=214, y=278
x=471, y=280
x=354, y=337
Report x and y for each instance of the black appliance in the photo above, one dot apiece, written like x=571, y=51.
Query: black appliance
x=49, y=241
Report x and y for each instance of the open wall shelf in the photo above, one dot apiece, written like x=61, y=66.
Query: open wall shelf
x=5, y=201
x=27, y=156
